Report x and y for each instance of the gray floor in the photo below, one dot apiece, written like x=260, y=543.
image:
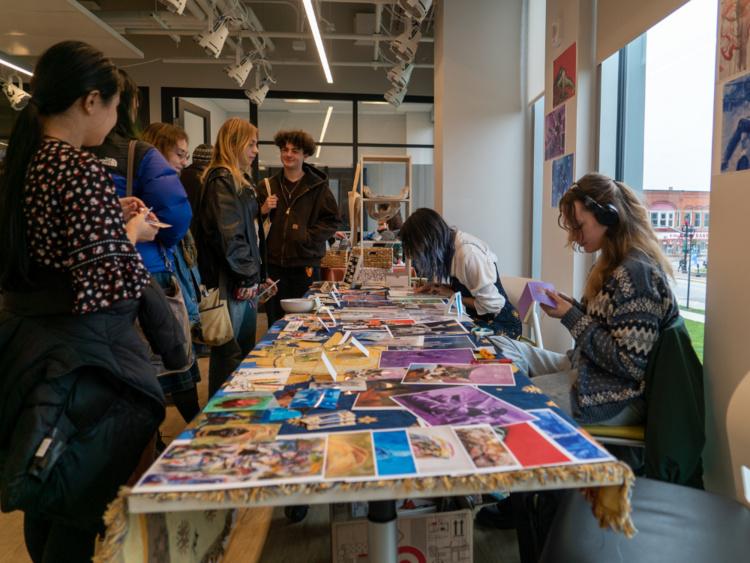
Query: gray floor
x=310, y=540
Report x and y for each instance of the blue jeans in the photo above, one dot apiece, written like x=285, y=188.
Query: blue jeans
x=244, y=316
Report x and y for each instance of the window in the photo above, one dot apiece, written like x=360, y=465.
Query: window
x=654, y=219
x=696, y=219
x=705, y=219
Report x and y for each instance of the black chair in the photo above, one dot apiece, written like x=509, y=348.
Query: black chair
x=674, y=522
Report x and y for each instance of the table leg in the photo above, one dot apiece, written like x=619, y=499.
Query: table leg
x=382, y=531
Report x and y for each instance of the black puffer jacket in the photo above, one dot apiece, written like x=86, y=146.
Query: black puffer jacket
x=79, y=399
x=301, y=226
x=225, y=234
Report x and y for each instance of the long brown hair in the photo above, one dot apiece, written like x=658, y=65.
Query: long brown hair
x=233, y=137
x=633, y=230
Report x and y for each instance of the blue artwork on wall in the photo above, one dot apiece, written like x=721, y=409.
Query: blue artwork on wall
x=735, y=126
x=562, y=177
x=554, y=133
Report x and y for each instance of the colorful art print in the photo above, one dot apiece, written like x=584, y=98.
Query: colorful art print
x=444, y=342
x=309, y=362
x=393, y=454
x=568, y=437
x=734, y=37
x=530, y=447
x=438, y=451
x=404, y=358
x=255, y=379
x=198, y=466
x=347, y=386
x=430, y=328
x=350, y=456
x=379, y=394
x=419, y=300
x=316, y=399
x=241, y=402
x=233, y=431
x=375, y=374
x=564, y=76
x=554, y=133
x=384, y=338
x=485, y=449
x=471, y=374
x=562, y=177
x=735, y=127
x=461, y=405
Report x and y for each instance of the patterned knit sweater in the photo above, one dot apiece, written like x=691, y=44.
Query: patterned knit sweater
x=614, y=333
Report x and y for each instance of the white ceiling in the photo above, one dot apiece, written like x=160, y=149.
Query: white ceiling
x=30, y=26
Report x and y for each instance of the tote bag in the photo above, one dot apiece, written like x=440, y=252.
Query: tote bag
x=216, y=324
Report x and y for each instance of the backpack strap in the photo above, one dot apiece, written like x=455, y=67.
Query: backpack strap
x=131, y=166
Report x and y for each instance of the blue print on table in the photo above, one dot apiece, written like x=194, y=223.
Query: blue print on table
x=316, y=399
x=393, y=453
x=580, y=448
x=552, y=424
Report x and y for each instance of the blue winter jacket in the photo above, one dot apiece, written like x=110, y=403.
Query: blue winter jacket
x=157, y=184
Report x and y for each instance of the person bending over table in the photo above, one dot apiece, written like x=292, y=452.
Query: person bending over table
x=626, y=304
x=454, y=261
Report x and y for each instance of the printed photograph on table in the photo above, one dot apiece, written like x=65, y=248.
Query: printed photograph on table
x=485, y=449
x=461, y=405
x=564, y=76
x=256, y=379
x=236, y=432
x=734, y=37
x=375, y=374
x=471, y=374
x=192, y=467
x=437, y=450
x=735, y=125
x=568, y=437
x=350, y=455
x=430, y=328
x=379, y=394
x=315, y=399
x=405, y=358
x=562, y=177
x=241, y=402
x=554, y=133
x=530, y=446
x=393, y=453
x=445, y=342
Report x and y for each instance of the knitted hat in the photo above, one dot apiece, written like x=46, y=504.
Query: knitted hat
x=202, y=154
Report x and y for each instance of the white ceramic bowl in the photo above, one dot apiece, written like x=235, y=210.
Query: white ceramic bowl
x=298, y=305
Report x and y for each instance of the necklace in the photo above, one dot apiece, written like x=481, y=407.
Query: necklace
x=289, y=186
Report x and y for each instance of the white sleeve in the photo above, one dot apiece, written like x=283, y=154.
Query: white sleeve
x=477, y=271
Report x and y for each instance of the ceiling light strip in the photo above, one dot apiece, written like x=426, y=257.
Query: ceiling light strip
x=15, y=67
x=312, y=20
x=323, y=131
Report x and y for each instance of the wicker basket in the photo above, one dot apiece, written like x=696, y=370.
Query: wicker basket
x=377, y=256
x=335, y=259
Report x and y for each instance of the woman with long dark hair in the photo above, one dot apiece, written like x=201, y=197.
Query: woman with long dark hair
x=455, y=261
x=627, y=303
x=80, y=400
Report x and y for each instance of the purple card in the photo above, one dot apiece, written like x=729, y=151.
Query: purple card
x=461, y=405
x=404, y=358
x=534, y=291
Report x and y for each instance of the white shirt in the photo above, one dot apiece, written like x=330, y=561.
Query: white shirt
x=474, y=265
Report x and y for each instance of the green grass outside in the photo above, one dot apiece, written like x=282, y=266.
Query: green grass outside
x=695, y=329
x=699, y=311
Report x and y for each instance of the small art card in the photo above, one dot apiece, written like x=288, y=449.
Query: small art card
x=445, y=342
x=350, y=456
x=461, y=405
x=404, y=358
x=393, y=454
x=375, y=374
x=562, y=178
x=554, y=133
x=486, y=450
x=241, y=402
x=568, y=437
x=469, y=374
x=564, y=76
x=428, y=328
x=257, y=379
x=379, y=395
x=438, y=451
x=530, y=447
x=534, y=292
x=316, y=399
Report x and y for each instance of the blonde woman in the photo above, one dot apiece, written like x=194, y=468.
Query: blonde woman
x=229, y=242
x=627, y=303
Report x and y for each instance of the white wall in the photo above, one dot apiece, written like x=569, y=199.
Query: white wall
x=218, y=117
x=482, y=169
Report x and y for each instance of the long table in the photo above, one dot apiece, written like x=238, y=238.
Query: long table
x=175, y=523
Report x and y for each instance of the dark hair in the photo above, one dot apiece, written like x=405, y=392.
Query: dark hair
x=430, y=243
x=298, y=138
x=64, y=73
x=164, y=136
x=130, y=96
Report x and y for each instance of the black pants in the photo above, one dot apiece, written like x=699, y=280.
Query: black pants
x=224, y=360
x=293, y=283
x=51, y=541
